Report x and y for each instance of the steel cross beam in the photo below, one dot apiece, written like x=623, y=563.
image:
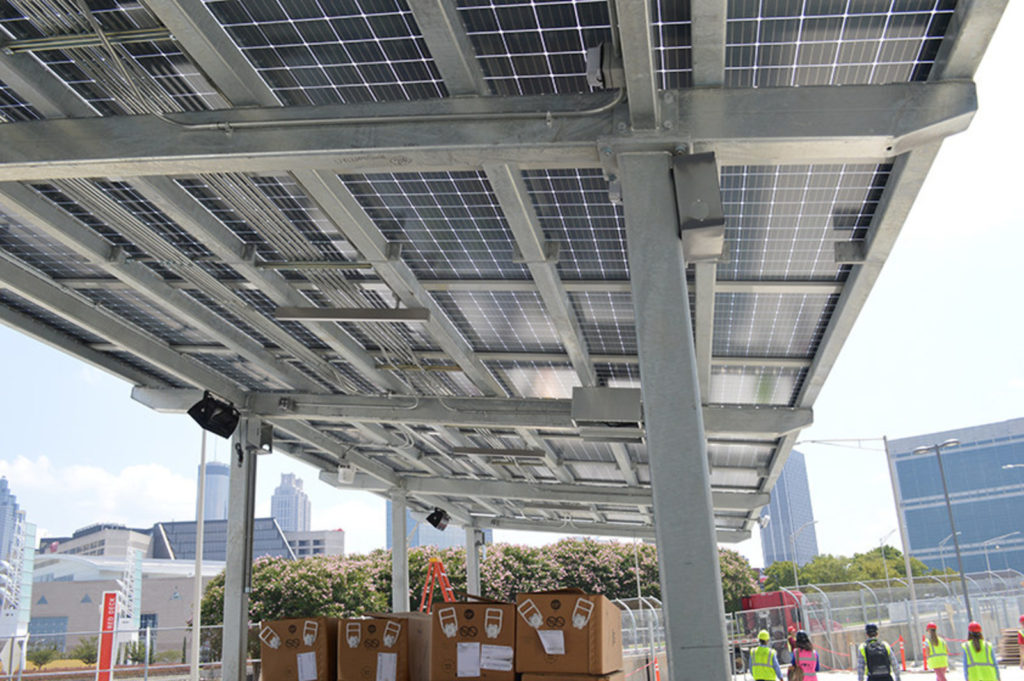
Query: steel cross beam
x=723, y=535
x=551, y=492
x=449, y=46
x=742, y=125
x=473, y=412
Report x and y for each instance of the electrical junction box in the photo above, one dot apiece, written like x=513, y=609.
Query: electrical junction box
x=608, y=414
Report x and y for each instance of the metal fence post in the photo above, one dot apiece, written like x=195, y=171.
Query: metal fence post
x=145, y=671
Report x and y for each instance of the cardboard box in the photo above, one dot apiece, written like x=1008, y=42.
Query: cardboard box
x=299, y=649
x=378, y=648
x=473, y=641
x=614, y=676
x=567, y=632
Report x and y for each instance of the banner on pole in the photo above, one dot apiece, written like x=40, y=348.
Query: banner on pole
x=108, y=622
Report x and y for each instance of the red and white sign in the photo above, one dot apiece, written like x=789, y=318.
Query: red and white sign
x=108, y=623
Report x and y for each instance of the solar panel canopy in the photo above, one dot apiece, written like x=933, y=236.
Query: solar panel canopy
x=434, y=191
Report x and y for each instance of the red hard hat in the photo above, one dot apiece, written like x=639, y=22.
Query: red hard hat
x=1022, y=618
x=792, y=628
x=931, y=625
x=974, y=628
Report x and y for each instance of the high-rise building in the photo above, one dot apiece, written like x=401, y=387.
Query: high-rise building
x=8, y=518
x=290, y=506
x=788, y=512
x=177, y=540
x=985, y=477
x=425, y=534
x=215, y=495
x=317, y=543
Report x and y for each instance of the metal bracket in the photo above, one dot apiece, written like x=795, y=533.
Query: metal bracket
x=266, y=438
x=850, y=253
x=551, y=253
x=604, y=68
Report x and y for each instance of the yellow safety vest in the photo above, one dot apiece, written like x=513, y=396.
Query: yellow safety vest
x=981, y=664
x=938, y=656
x=762, y=664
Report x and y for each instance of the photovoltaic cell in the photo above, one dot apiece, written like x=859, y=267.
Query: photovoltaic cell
x=618, y=375
x=781, y=221
x=534, y=47
x=672, y=44
x=770, y=324
x=607, y=321
x=501, y=320
x=578, y=450
x=538, y=379
x=38, y=251
x=755, y=385
x=783, y=43
x=449, y=224
x=313, y=52
x=140, y=312
x=14, y=108
x=73, y=208
x=575, y=212
x=58, y=322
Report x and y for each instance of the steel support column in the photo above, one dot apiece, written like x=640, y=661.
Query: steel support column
x=474, y=540
x=399, y=553
x=238, y=568
x=684, y=521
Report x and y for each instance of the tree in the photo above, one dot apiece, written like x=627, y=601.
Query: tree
x=40, y=656
x=824, y=569
x=778, y=575
x=85, y=650
x=738, y=578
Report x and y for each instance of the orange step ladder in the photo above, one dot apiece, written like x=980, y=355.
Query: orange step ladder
x=436, y=574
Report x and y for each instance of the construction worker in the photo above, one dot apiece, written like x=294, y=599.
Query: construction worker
x=764, y=662
x=979, y=658
x=806, y=657
x=876, y=658
x=790, y=643
x=1020, y=642
x=938, y=655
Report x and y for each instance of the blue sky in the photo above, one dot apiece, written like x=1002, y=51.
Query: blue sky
x=937, y=346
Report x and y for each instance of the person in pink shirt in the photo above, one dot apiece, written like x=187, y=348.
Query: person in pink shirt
x=805, y=656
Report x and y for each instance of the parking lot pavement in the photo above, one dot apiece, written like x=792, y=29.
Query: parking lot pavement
x=1005, y=674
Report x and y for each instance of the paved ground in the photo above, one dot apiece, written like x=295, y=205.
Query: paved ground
x=1005, y=674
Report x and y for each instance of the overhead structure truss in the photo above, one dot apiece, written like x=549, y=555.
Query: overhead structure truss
x=395, y=230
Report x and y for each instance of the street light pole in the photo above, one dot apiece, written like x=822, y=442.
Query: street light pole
x=942, y=551
x=885, y=566
x=949, y=509
x=792, y=539
x=985, y=544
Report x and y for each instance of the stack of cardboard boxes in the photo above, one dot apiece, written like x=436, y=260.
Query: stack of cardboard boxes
x=551, y=636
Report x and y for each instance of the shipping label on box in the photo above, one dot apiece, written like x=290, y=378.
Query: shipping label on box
x=299, y=649
x=373, y=649
x=473, y=641
x=567, y=632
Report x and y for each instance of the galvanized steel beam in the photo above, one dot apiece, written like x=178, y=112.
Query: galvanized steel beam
x=450, y=47
x=742, y=125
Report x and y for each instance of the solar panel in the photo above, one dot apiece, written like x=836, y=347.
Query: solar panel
x=754, y=385
x=534, y=47
x=449, y=224
x=14, y=108
x=770, y=325
x=549, y=380
x=312, y=52
x=576, y=213
x=45, y=254
x=501, y=320
x=783, y=43
x=672, y=44
x=781, y=221
x=58, y=322
x=607, y=321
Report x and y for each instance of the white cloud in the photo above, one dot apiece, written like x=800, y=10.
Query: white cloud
x=65, y=498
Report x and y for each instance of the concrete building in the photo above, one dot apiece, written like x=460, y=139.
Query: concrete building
x=317, y=543
x=68, y=593
x=290, y=505
x=985, y=477
x=422, y=533
x=215, y=496
x=789, y=511
x=101, y=539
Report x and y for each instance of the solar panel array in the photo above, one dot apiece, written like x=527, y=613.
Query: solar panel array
x=493, y=326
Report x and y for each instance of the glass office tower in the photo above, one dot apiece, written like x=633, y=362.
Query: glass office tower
x=985, y=476
x=789, y=510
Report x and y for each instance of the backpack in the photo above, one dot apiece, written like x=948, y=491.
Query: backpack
x=795, y=673
x=876, y=658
